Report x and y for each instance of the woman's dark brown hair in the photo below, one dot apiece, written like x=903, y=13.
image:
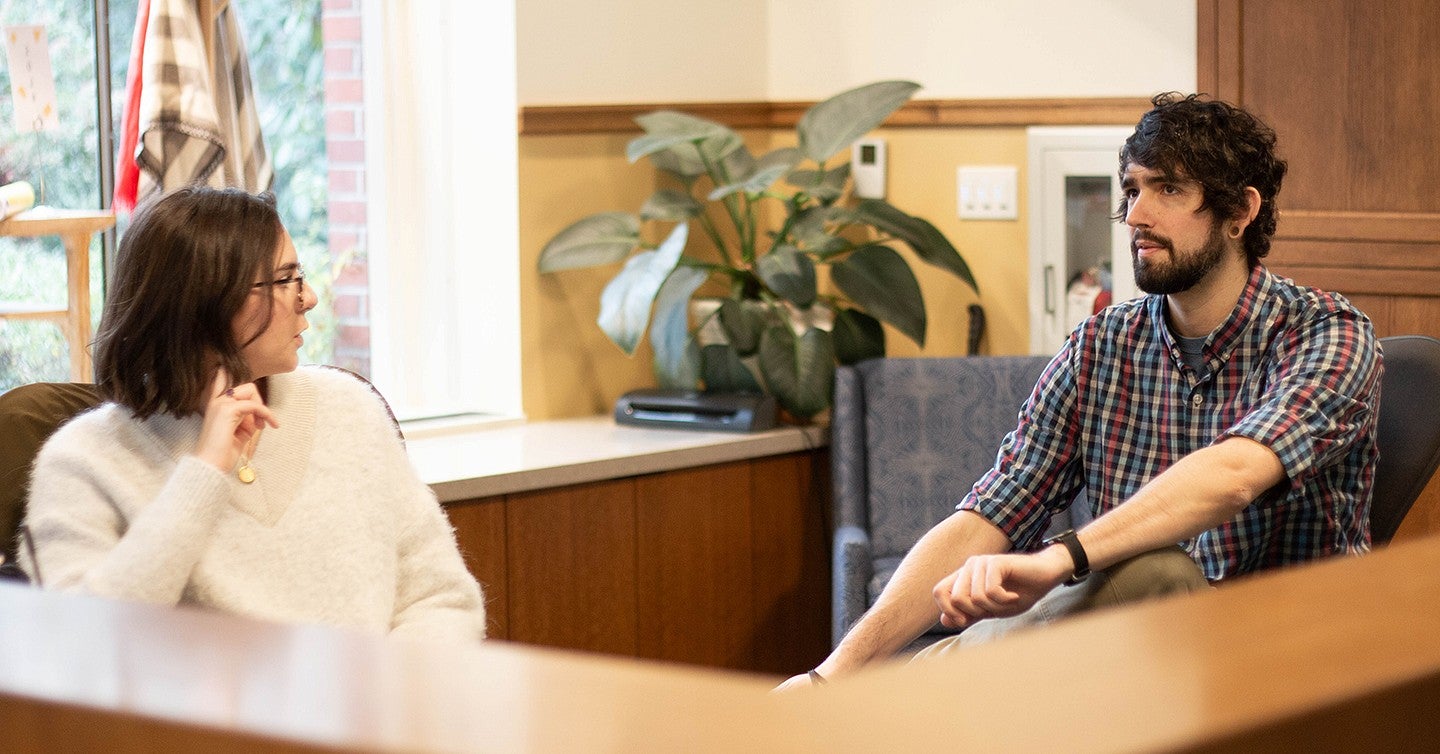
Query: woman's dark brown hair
x=184, y=270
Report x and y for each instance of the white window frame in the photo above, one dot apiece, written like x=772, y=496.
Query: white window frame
x=442, y=205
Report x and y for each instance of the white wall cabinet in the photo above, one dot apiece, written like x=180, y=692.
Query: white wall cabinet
x=1079, y=256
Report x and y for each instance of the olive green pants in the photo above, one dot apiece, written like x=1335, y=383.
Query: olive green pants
x=1145, y=576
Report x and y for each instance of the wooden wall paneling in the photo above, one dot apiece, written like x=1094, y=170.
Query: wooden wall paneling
x=789, y=535
x=694, y=565
x=550, y=120
x=1380, y=310
x=480, y=533
x=1217, y=47
x=1416, y=315
x=1415, y=283
x=1423, y=520
x=571, y=567
x=1353, y=91
x=1352, y=88
x=1281, y=45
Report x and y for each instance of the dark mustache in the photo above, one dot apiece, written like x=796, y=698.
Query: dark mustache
x=1141, y=235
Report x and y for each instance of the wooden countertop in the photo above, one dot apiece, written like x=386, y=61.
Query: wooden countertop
x=538, y=455
x=1336, y=656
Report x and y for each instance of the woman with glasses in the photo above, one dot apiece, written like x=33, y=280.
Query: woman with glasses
x=217, y=473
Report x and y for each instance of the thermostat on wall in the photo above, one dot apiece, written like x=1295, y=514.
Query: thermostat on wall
x=867, y=165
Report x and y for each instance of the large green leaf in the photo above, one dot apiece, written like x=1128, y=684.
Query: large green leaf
x=625, y=302
x=671, y=205
x=858, y=336
x=832, y=125
x=677, y=356
x=734, y=170
x=598, y=239
x=800, y=372
x=789, y=273
x=928, y=242
x=743, y=321
x=760, y=174
x=771, y=167
x=686, y=166
x=679, y=133
x=724, y=372
x=809, y=232
x=825, y=185
x=737, y=164
x=878, y=279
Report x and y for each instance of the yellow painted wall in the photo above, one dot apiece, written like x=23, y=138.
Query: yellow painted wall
x=572, y=369
x=569, y=368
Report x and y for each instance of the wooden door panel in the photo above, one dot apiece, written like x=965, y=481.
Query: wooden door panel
x=790, y=540
x=1353, y=91
x=480, y=533
x=695, y=561
x=572, y=567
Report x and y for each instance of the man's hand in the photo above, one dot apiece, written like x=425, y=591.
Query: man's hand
x=801, y=681
x=999, y=586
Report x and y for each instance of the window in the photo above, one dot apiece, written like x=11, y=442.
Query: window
x=391, y=126
x=443, y=205
x=63, y=167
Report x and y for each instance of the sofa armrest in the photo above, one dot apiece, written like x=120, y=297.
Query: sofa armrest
x=852, y=569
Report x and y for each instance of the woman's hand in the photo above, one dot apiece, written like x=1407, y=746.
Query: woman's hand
x=232, y=418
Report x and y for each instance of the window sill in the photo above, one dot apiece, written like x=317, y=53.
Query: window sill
x=471, y=463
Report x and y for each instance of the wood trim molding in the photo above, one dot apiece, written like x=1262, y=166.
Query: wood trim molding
x=547, y=120
x=1207, y=45
x=1393, y=227
x=1218, y=49
x=1355, y=255
x=1375, y=282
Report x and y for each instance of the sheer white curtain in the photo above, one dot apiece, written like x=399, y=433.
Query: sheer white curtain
x=442, y=200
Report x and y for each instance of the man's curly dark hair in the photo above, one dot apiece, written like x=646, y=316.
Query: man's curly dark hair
x=1222, y=147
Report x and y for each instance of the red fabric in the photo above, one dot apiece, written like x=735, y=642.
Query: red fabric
x=127, y=184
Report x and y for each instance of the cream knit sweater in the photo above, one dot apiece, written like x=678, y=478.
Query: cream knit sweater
x=337, y=529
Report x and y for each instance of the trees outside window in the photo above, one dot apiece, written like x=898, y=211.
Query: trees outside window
x=305, y=63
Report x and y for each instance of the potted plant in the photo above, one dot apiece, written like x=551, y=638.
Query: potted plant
x=767, y=271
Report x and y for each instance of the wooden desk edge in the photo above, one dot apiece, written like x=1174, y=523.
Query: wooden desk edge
x=1337, y=654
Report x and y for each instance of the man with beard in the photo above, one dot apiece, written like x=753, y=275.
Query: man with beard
x=1229, y=411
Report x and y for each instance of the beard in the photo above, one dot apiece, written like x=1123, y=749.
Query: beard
x=1180, y=271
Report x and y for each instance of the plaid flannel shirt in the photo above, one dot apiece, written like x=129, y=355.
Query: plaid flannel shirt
x=1295, y=369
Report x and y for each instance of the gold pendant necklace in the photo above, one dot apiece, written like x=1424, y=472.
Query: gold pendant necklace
x=246, y=473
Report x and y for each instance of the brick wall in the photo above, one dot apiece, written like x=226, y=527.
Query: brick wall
x=345, y=153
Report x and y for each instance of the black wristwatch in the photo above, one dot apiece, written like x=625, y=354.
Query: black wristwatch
x=1077, y=554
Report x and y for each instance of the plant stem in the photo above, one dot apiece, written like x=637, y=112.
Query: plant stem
x=720, y=178
x=750, y=224
x=714, y=234
x=728, y=270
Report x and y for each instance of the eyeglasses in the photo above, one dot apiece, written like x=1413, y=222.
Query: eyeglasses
x=297, y=277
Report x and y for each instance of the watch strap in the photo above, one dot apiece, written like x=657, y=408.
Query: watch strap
x=1071, y=541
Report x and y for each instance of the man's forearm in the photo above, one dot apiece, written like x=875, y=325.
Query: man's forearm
x=1201, y=491
x=907, y=607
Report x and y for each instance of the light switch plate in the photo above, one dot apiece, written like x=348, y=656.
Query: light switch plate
x=987, y=192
